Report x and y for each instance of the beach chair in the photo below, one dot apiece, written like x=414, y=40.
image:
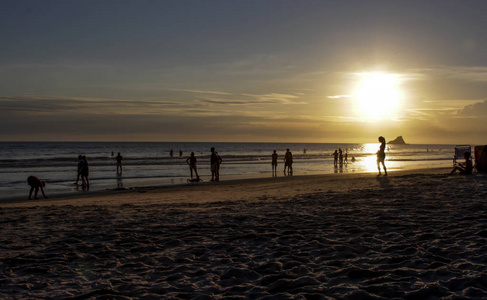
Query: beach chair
x=480, y=158
x=459, y=151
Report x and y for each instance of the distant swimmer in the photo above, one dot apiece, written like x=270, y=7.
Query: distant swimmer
x=381, y=155
x=36, y=183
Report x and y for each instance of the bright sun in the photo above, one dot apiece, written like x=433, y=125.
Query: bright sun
x=378, y=95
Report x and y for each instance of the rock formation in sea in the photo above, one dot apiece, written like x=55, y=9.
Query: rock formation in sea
x=398, y=141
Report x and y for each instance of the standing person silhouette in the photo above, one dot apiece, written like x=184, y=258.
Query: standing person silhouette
x=214, y=165
x=218, y=163
x=335, y=158
x=36, y=183
x=119, y=159
x=80, y=161
x=288, y=162
x=381, y=155
x=191, y=161
x=274, y=164
x=85, y=172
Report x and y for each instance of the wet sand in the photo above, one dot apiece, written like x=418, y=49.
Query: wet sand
x=414, y=235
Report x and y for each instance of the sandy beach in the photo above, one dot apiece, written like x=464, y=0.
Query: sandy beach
x=417, y=234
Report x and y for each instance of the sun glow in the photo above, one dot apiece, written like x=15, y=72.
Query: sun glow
x=378, y=95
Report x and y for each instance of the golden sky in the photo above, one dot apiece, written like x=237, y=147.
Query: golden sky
x=236, y=71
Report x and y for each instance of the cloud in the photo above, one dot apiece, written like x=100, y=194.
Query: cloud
x=473, y=74
x=339, y=96
x=78, y=105
x=478, y=109
x=202, y=92
x=276, y=98
x=255, y=99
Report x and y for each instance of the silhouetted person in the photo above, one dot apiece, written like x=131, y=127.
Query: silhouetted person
x=466, y=168
x=335, y=158
x=219, y=161
x=214, y=165
x=171, y=153
x=288, y=162
x=191, y=161
x=340, y=156
x=345, y=160
x=36, y=183
x=274, y=163
x=119, y=159
x=85, y=172
x=80, y=161
x=381, y=155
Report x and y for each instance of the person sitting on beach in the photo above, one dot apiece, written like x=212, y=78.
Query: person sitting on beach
x=36, y=183
x=119, y=159
x=466, y=168
x=191, y=161
x=381, y=155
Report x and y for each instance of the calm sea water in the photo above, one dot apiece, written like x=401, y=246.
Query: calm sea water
x=149, y=164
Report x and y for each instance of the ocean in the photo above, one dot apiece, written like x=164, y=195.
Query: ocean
x=150, y=163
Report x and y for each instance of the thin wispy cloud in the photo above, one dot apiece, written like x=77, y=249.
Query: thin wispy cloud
x=467, y=73
x=202, y=92
x=53, y=105
x=277, y=98
x=339, y=96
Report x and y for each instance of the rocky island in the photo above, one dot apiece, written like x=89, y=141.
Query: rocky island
x=398, y=141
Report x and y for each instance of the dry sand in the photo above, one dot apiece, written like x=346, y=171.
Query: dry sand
x=415, y=235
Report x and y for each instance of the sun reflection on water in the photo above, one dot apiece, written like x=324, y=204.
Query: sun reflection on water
x=369, y=161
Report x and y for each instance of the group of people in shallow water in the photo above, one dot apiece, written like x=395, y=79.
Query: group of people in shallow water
x=288, y=163
x=215, y=161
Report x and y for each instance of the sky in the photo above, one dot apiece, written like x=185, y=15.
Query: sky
x=244, y=71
